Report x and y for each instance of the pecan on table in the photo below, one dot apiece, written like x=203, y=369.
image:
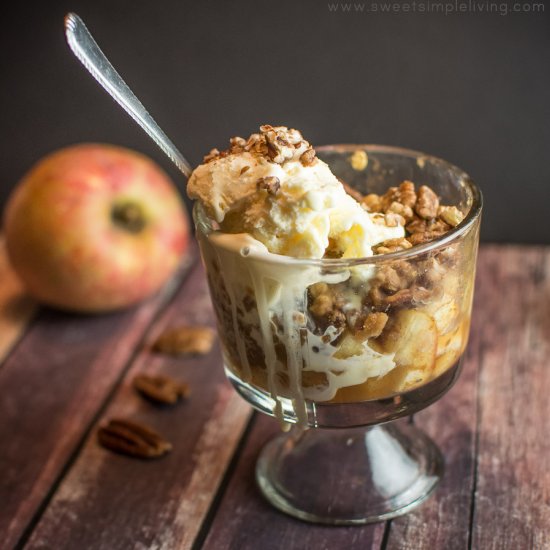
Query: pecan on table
x=160, y=388
x=133, y=439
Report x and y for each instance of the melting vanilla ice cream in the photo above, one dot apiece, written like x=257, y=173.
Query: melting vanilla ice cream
x=275, y=189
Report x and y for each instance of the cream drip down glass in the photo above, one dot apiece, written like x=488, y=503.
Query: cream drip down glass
x=337, y=347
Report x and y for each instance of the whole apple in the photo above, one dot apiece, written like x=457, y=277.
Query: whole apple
x=94, y=228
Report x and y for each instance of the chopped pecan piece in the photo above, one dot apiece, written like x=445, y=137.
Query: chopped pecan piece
x=427, y=203
x=280, y=142
x=430, y=226
x=377, y=298
x=391, y=245
x=404, y=211
x=393, y=220
x=451, y=215
x=372, y=202
x=271, y=184
x=417, y=225
x=370, y=326
x=307, y=158
x=214, y=154
x=318, y=288
x=421, y=238
x=160, y=388
x=253, y=143
x=185, y=340
x=391, y=195
x=133, y=439
x=322, y=305
x=325, y=305
x=389, y=280
x=237, y=143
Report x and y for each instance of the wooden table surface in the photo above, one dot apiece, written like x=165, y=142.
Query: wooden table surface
x=63, y=375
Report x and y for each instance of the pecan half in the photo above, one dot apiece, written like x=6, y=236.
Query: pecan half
x=160, y=388
x=185, y=340
x=133, y=439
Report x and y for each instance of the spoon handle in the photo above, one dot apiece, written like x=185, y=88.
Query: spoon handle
x=88, y=52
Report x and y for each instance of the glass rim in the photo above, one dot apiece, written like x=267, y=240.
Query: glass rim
x=439, y=242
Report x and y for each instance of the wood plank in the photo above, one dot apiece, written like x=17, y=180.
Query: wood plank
x=115, y=502
x=246, y=521
x=16, y=308
x=51, y=388
x=512, y=498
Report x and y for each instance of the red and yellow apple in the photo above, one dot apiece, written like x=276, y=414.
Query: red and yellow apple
x=95, y=228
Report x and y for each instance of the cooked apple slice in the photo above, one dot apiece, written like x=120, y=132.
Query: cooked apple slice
x=454, y=341
x=374, y=388
x=413, y=337
x=451, y=342
x=445, y=313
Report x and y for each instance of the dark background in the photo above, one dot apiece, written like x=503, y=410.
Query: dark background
x=471, y=88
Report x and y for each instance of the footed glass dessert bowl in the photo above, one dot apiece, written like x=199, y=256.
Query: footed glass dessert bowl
x=338, y=347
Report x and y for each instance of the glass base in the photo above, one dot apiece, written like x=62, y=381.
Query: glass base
x=349, y=476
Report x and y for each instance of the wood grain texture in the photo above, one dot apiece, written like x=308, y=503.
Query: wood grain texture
x=108, y=501
x=512, y=498
x=51, y=388
x=16, y=308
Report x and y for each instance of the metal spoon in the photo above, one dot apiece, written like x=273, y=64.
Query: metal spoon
x=88, y=52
